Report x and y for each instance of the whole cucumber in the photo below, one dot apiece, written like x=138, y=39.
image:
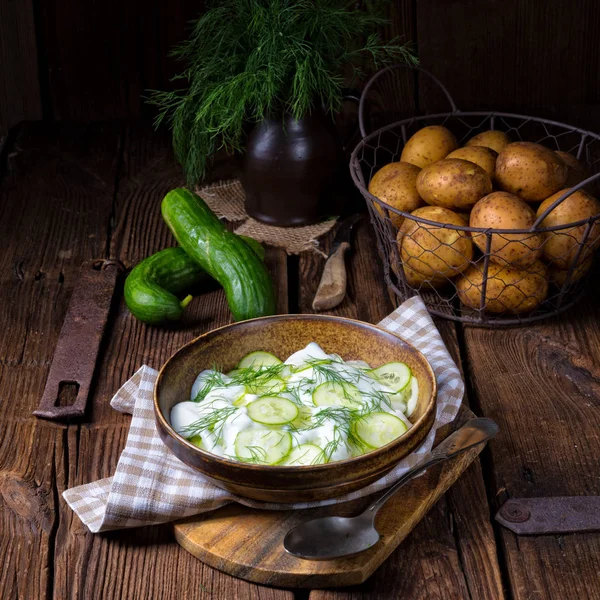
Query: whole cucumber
x=222, y=254
x=153, y=286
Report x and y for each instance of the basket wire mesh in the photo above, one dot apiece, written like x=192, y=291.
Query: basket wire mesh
x=465, y=280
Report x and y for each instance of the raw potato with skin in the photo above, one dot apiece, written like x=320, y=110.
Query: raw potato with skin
x=435, y=252
x=561, y=246
x=480, y=155
x=530, y=171
x=509, y=289
x=429, y=145
x=559, y=276
x=501, y=210
x=395, y=184
x=453, y=183
x=576, y=170
x=496, y=140
x=418, y=280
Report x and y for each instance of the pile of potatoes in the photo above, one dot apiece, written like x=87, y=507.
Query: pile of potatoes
x=490, y=183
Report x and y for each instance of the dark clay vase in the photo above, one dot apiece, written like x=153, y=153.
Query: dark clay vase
x=289, y=169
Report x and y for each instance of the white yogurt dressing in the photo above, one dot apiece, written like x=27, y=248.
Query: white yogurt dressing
x=218, y=391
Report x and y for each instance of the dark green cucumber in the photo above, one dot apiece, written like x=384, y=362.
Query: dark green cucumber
x=222, y=254
x=153, y=287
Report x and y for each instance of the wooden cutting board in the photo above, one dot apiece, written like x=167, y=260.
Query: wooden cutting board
x=248, y=543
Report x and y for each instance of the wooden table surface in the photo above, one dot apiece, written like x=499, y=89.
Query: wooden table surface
x=71, y=193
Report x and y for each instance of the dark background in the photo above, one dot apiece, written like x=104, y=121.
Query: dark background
x=93, y=59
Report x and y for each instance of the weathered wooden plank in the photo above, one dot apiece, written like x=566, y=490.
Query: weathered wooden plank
x=55, y=206
x=56, y=199
x=19, y=87
x=54, y=196
x=470, y=511
x=509, y=54
x=146, y=562
x=28, y=506
x=544, y=394
x=102, y=58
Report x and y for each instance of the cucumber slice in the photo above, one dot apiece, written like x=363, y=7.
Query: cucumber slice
x=394, y=375
x=266, y=385
x=286, y=372
x=233, y=374
x=264, y=446
x=379, y=428
x=411, y=403
x=245, y=399
x=196, y=440
x=333, y=393
x=398, y=402
x=305, y=454
x=272, y=410
x=258, y=359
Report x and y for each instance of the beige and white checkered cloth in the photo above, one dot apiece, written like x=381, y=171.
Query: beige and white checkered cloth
x=152, y=486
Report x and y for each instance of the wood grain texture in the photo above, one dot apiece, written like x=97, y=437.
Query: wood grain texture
x=103, y=57
x=470, y=511
x=49, y=197
x=55, y=203
x=367, y=297
x=19, y=87
x=248, y=543
x=545, y=396
x=509, y=54
x=146, y=562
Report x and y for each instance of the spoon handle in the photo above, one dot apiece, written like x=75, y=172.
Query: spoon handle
x=472, y=433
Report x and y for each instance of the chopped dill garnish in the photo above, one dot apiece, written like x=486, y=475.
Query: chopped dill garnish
x=214, y=421
x=212, y=380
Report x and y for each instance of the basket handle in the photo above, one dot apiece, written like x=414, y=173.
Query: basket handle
x=361, y=104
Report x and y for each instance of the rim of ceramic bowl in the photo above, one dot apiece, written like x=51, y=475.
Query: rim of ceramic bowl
x=431, y=403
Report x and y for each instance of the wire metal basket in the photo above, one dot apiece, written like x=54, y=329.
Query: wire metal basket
x=423, y=256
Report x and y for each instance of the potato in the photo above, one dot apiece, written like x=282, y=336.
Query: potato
x=509, y=289
x=501, y=210
x=576, y=170
x=561, y=246
x=419, y=281
x=433, y=251
x=559, y=276
x=530, y=171
x=453, y=183
x=480, y=155
x=429, y=145
x=395, y=184
x=496, y=140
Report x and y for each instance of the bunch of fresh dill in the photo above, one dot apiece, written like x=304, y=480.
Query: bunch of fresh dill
x=247, y=60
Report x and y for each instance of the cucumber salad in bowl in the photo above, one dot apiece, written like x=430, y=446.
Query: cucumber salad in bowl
x=313, y=408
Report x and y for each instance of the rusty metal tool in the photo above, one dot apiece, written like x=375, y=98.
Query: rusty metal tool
x=78, y=345
x=332, y=288
x=538, y=516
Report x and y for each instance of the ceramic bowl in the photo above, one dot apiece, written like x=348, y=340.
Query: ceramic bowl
x=283, y=335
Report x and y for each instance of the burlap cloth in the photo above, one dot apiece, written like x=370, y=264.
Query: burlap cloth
x=152, y=486
x=226, y=200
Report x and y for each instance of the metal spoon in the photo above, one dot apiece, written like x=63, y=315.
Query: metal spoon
x=333, y=537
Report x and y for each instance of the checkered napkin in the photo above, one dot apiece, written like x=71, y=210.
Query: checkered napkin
x=152, y=486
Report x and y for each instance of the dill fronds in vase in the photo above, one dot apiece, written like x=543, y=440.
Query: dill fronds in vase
x=277, y=65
